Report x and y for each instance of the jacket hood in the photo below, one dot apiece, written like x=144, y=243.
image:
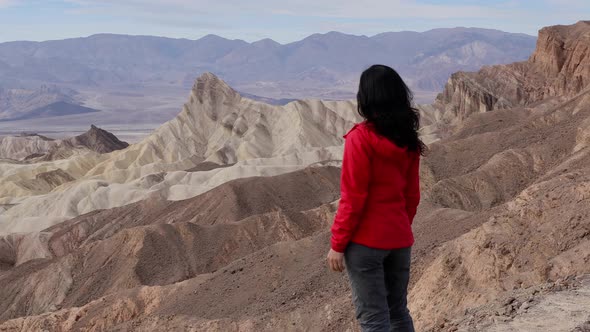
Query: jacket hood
x=381, y=145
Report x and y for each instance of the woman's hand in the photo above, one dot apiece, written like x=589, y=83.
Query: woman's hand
x=336, y=260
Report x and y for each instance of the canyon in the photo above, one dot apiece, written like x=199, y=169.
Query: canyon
x=219, y=219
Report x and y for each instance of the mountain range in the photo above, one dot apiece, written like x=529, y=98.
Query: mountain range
x=426, y=59
x=116, y=73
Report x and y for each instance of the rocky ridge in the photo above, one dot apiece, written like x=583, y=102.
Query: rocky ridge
x=216, y=126
x=33, y=148
x=559, y=68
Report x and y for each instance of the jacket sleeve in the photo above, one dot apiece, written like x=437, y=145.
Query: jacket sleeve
x=412, y=192
x=354, y=188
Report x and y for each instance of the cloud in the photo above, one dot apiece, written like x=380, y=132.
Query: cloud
x=380, y=9
x=286, y=21
x=568, y=3
x=172, y=14
x=6, y=3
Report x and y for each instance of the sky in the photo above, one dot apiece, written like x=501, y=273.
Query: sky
x=283, y=21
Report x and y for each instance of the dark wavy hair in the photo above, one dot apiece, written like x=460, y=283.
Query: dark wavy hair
x=385, y=101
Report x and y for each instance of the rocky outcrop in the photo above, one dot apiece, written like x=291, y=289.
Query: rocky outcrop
x=218, y=125
x=23, y=146
x=464, y=96
x=559, y=67
x=556, y=306
x=35, y=148
x=562, y=56
x=540, y=236
x=98, y=140
x=46, y=181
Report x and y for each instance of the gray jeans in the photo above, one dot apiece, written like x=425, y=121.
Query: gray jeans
x=379, y=281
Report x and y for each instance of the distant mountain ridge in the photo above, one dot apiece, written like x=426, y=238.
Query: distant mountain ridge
x=58, y=108
x=18, y=102
x=321, y=65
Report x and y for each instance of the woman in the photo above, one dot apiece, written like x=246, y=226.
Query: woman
x=372, y=230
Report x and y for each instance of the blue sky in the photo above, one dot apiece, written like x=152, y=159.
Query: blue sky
x=283, y=21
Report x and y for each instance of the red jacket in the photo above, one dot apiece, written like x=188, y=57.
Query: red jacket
x=380, y=191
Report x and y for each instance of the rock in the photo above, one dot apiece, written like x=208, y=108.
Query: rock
x=509, y=300
x=558, y=67
x=525, y=306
